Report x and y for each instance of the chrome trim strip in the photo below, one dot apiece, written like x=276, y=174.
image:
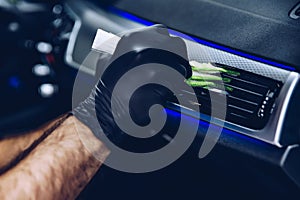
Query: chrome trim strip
x=292, y=82
x=293, y=12
x=286, y=153
x=72, y=41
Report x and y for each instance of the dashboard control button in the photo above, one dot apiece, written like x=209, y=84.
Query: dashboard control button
x=29, y=44
x=13, y=26
x=41, y=70
x=57, y=23
x=57, y=9
x=44, y=47
x=47, y=90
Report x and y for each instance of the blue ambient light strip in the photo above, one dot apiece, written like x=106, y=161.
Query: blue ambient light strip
x=204, y=42
x=205, y=124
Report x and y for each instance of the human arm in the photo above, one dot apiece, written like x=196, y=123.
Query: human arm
x=58, y=168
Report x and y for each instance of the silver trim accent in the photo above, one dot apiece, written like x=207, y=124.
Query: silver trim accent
x=293, y=11
x=72, y=41
x=291, y=82
x=286, y=153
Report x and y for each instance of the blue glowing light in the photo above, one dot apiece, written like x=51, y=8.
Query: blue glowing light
x=201, y=41
x=14, y=82
x=130, y=16
x=186, y=117
x=205, y=124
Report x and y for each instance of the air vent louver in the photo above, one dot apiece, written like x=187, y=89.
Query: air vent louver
x=250, y=97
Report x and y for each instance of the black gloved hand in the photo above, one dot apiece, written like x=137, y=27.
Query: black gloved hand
x=153, y=46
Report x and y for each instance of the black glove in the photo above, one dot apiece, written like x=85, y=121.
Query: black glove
x=153, y=46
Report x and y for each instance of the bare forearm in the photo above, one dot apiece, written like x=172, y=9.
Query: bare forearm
x=58, y=168
x=15, y=147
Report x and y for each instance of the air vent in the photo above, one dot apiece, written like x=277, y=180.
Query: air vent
x=250, y=97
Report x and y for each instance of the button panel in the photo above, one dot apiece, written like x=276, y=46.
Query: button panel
x=33, y=72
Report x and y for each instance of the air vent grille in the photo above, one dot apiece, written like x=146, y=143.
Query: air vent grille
x=250, y=97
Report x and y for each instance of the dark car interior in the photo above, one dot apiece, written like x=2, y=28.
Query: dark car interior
x=45, y=43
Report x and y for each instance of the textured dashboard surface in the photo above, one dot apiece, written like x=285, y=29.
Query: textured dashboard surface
x=203, y=53
x=258, y=27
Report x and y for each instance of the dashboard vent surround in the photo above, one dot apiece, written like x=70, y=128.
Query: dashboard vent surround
x=250, y=97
